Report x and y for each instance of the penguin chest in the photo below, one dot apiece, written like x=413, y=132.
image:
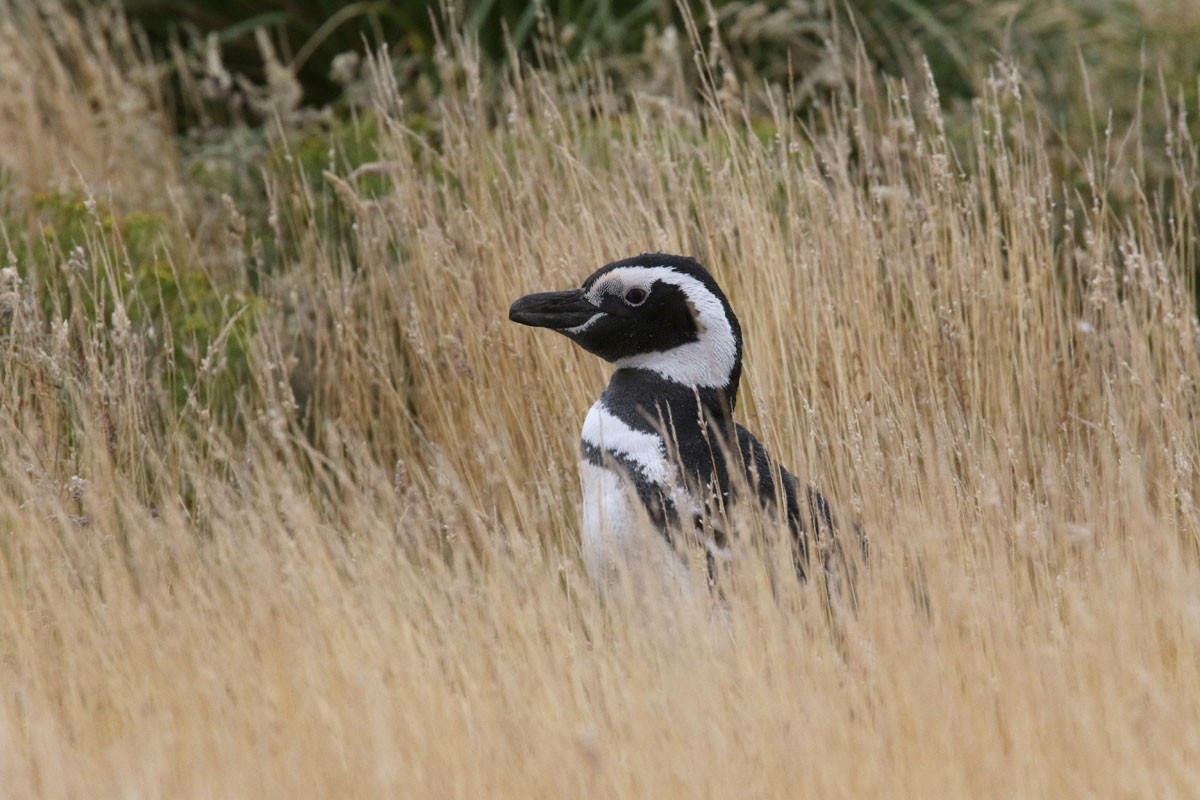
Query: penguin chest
x=618, y=535
x=612, y=520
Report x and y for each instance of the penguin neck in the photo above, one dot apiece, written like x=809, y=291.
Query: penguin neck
x=647, y=392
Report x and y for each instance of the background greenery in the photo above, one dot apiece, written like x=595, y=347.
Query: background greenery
x=1119, y=42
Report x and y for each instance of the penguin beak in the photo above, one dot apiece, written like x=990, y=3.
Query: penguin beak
x=554, y=310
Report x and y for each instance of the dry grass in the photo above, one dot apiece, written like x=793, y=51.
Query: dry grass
x=78, y=106
x=373, y=588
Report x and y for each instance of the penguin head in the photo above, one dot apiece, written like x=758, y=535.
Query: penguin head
x=655, y=312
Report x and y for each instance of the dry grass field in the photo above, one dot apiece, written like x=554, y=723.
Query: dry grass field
x=329, y=548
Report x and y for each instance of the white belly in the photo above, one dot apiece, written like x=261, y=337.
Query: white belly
x=618, y=536
x=619, y=540
x=612, y=515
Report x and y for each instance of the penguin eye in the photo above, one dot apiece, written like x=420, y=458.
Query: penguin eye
x=635, y=296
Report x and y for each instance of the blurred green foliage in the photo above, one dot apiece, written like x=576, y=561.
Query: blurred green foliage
x=956, y=42
x=89, y=264
x=311, y=34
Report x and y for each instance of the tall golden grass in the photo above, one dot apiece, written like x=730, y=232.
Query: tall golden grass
x=366, y=582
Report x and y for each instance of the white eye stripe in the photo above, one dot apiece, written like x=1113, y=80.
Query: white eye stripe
x=620, y=282
x=606, y=286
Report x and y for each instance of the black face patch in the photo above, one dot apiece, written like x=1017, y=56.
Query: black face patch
x=664, y=321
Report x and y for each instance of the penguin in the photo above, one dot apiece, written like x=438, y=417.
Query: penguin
x=661, y=457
